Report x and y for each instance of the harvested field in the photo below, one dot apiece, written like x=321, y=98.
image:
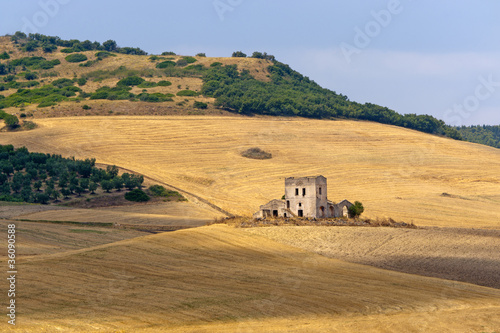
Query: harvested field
x=163, y=214
x=467, y=255
x=222, y=279
x=395, y=172
x=33, y=239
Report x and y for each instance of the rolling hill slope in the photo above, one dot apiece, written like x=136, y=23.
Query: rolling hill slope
x=223, y=279
x=395, y=172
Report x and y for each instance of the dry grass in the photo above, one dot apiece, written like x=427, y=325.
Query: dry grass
x=164, y=214
x=467, y=255
x=248, y=222
x=222, y=279
x=393, y=171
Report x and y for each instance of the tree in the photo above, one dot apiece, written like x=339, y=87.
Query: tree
x=118, y=183
x=110, y=45
x=42, y=198
x=239, y=54
x=107, y=185
x=79, y=190
x=112, y=170
x=65, y=192
x=37, y=185
x=93, y=187
x=356, y=209
x=56, y=195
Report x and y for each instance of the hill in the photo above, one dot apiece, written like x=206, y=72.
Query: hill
x=224, y=279
x=42, y=71
x=394, y=172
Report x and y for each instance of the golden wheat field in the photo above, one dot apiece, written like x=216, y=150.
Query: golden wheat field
x=222, y=279
x=394, y=172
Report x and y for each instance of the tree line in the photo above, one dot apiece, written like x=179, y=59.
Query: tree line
x=42, y=178
x=291, y=94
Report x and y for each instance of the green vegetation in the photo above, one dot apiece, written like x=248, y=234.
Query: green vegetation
x=190, y=60
x=11, y=121
x=356, y=210
x=4, y=56
x=239, y=54
x=130, y=81
x=147, y=84
x=45, y=96
x=168, y=53
x=164, y=83
x=165, y=64
x=33, y=63
x=201, y=55
x=486, y=135
x=77, y=57
x=187, y=93
x=137, y=195
x=200, y=105
x=42, y=178
x=48, y=44
x=291, y=94
x=160, y=191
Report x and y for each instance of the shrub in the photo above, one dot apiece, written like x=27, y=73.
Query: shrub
x=181, y=63
x=86, y=107
x=160, y=191
x=165, y=64
x=4, y=56
x=46, y=104
x=60, y=83
x=77, y=57
x=216, y=64
x=200, y=105
x=137, y=195
x=168, y=54
x=81, y=81
x=147, y=84
x=190, y=60
x=104, y=54
x=164, y=83
x=130, y=81
x=30, y=76
x=202, y=55
x=256, y=154
x=356, y=210
x=239, y=54
x=188, y=93
x=49, y=48
x=67, y=50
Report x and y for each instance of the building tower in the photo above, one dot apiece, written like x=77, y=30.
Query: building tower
x=307, y=197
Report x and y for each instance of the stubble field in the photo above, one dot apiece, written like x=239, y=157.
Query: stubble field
x=398, y=173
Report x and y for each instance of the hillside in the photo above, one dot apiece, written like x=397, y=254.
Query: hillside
x=223, y=279
x=68, y=78
x=394, y=172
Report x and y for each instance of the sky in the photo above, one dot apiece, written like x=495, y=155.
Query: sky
x=437, y=57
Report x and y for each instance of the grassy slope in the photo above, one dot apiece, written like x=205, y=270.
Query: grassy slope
x=142, y=64
x=223, y=279
x=395, y=172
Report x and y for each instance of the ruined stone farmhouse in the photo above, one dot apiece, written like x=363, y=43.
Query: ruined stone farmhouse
x=304, y=197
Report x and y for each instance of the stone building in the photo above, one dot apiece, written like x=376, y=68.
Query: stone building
x=304, y=197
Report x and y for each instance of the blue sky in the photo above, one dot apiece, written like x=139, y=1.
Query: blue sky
x=438, y=57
